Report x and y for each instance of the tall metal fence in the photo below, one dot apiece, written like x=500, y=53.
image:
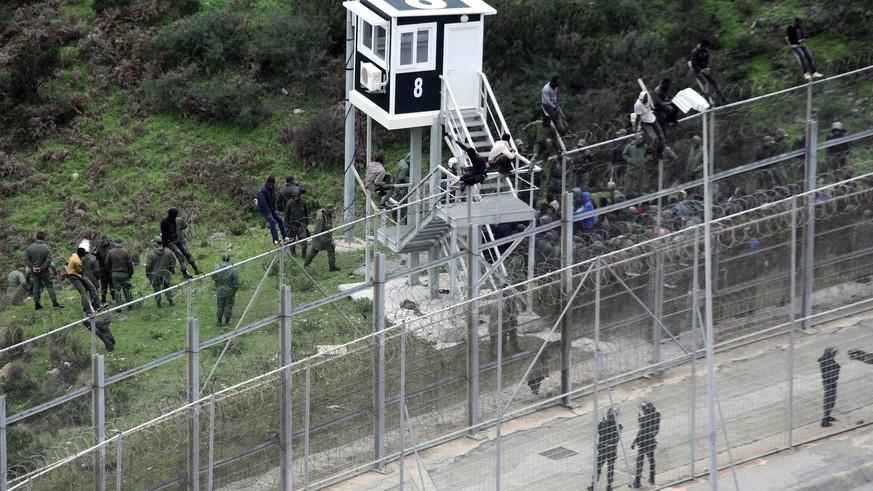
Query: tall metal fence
x=598, y=311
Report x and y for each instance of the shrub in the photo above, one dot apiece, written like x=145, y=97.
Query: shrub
x=100, y=5
x=319, y=141
x=292, y=46
x=213, y=39
x=235, y=102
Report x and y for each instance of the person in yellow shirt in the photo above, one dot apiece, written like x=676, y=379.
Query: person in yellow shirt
x=76, y=275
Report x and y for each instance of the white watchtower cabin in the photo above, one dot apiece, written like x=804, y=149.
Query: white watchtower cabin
x=415, y=64
x=402, y=47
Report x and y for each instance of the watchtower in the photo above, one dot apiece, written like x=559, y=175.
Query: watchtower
x=415, y=64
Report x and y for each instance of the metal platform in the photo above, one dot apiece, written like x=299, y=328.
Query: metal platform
x=492, y=208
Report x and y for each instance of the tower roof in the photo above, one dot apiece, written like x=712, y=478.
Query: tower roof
x=422, y=8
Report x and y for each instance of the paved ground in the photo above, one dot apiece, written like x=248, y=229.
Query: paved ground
x=553, y=449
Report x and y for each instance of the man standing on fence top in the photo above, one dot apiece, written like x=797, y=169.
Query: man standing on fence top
x=170, y=239
x=549, y=102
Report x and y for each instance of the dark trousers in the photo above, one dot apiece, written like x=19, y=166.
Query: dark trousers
x=830, y=398
x=272, y=219
x=181, y=252
x=105, y=283
x=804, y=57
x=121, y=283
x=225, y=308
x=641, y=456
x=297, y=232
x=85, y=288
x=331, y=255
x=40, y=281
x=606, y=455
x=162, y=282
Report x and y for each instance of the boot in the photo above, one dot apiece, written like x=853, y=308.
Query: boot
x=333, y=269
x=652, y=477
x=196, y=269
x=37, y=306
x=218, y=323
x=185, y=274
x=826, y=422
x=58, y=306
x=227, y=321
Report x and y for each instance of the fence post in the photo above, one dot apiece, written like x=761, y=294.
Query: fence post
x=98, y=420
x=473, y=243
x=193, y=355
x=4, y=471
x=306, y=424
x=809, y=222
x=349, y=147
x=792, y=308
x=118, y=454
x=286, y=405
x=379, y=363
x=211, y=459
x=695, y=325
x=413, y=213
x=567, y=291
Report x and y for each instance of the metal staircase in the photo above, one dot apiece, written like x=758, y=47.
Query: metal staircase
x=424, y=218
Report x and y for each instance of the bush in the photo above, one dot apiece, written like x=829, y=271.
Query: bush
x=100, y=5
x=294, y=47
x=212, y=39
x=319, y=141
x=235, y=102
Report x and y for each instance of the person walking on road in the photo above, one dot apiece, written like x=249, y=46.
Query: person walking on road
x=649, y=421
x=608, y=434
x=830, y=373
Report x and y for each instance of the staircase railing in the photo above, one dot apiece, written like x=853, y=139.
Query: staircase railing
x=454, y=126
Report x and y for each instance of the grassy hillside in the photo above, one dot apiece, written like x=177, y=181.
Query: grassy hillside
x=158, y=103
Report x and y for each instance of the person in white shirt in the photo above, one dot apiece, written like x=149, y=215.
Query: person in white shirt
x=502, y=156
x=649, y=124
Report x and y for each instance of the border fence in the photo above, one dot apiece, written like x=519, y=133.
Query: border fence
x=595, y=313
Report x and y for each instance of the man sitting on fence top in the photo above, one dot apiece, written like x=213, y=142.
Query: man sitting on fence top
x=378, y=181
x=502, y=156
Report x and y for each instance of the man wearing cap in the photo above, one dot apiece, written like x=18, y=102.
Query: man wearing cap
x=83, y=285
x=323, y=240
x=226, y=285
x=297, y=221
x=285, y=193
x=269, y=209
x=103, y=247
x=160, y=266
x=121, y=267
x=38, y=258
x=837, y=155
x=765, y=149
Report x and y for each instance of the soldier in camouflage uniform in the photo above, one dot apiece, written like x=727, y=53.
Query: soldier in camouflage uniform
x=38, y=258
x=226, y=286
x=159, y=268
x=323, y=242
x=297, y=221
